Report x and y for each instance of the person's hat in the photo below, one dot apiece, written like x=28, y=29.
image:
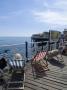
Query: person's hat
x=18, y=56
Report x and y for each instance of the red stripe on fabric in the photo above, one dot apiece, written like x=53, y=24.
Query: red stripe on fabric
x=39, y=56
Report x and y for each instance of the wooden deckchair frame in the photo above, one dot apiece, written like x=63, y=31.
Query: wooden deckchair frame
x=59, y=58
x=35, y=63
x=17, y=67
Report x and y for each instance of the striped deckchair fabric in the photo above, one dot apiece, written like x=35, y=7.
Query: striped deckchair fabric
x=39, y=61
x=17, y=62
x=17, y=65
x=39, y=56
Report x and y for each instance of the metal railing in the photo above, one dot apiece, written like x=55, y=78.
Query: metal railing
x=27, y=49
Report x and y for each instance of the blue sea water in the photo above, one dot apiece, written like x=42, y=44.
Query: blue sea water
x=13, y=40
x=14, y=44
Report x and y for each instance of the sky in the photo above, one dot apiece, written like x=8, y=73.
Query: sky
x=27, y=17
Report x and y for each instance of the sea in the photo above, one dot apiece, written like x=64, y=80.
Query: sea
x=11, y=45
x=14, y=40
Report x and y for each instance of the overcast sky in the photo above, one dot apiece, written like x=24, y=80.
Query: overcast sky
x=27, y=17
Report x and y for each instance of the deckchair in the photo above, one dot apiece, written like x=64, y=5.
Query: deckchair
x=55, y=53
x=4, y=72
x=17, y=65
x=39, y=62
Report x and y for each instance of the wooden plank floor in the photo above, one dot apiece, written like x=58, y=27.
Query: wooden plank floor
x=54, y=79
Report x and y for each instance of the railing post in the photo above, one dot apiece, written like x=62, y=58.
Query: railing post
x=26, y=46
x=48, y=45
x=42, y=45
x=49, y=41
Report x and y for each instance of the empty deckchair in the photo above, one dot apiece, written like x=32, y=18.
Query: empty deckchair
x=39, y=62
x=55, y=53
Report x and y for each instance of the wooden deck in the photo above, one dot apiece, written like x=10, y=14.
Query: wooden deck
x=54, y=79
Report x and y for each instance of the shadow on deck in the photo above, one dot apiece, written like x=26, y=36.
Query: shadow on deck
x=56, y=62
x=54, y=79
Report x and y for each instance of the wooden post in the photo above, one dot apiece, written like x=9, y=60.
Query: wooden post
x=26, y=44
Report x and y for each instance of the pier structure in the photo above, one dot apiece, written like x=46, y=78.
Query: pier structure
x=53, y=79
x=51, y=38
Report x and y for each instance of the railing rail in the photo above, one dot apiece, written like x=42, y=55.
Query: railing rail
x=28, y=48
